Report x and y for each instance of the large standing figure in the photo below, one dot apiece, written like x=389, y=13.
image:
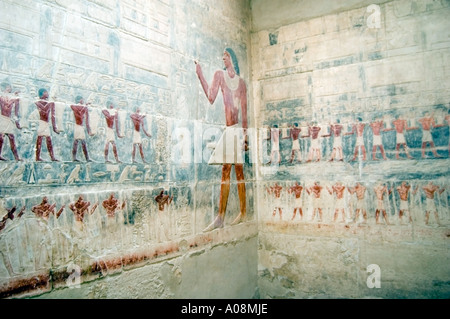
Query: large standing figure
x=229, y=150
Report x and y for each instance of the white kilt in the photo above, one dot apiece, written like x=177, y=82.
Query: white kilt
x=361, y=204
x=298, y=202
x=377, y=140
x=43, y=129
x=315, y=144
x=229, y=148
x=79, y=132
x=340, y=203
x=401, y=138
x=360, y=141
x=431, y=206
x=137, y=139
x=296, y=145
x=404, y=205
x=337, y=142
x=110, y=137
x=426, y=136
x=7, y=126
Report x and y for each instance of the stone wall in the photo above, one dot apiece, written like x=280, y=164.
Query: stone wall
x=139, y=55
x=321, y=223
x=370, y=69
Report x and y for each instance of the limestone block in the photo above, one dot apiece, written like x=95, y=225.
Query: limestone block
x=293, y=87
x=394, y=70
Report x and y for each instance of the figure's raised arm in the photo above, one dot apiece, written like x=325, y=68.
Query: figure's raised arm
x=210, y=91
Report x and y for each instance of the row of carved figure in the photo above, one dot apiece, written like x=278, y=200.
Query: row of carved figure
x=80, y=208
x=336, y=131
x=10, y=122
x=381, y=190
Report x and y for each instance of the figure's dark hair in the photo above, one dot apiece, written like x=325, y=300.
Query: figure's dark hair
x=78, y=99
x=233, y=60
x=41, y=92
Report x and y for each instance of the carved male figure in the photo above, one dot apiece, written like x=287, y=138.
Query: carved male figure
x=380, y=190
x=229, y=150
x=7, y=124
x=376, y=127
x=297, y=189
x=81, y=114
x=430, y=189
x=296, y=150
x=163, y=199
x=315, y=148
x=138, y=123
x=359, y=146
x=428, y=124
x=112, y=120
x=111, y=205
x=316, y=191
x=44, y=209
x=335, y=131
x=338, y=189
x=403, y=192
x=46, y=112
x=360, y=191
x=401, y=125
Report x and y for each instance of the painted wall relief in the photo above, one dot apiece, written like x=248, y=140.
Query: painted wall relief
x=50, y=233
x=229, y=149
x=387, y=139
x=420, y=203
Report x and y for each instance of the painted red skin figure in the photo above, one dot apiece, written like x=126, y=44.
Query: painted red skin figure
x=380, y=191
x=377, y=142
x=297, y=191
x=276, y=190
x=44, y=209
x=427, y=124
x=232, y=118
x=46, y=109
x=338, y=189
x=112, y=119
x=294, y=135
x=401, y=126
x=111, y=205
x=335, y=131
x=138, y=123
x=162, y=200
x=80, y=208
x=430, y=189
x=10, y=215
x=360, y=192
x=316, y=191
x=403, y=192
x=81, y=114
x=315, y=148
x=359, y=146
x=7, y=104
